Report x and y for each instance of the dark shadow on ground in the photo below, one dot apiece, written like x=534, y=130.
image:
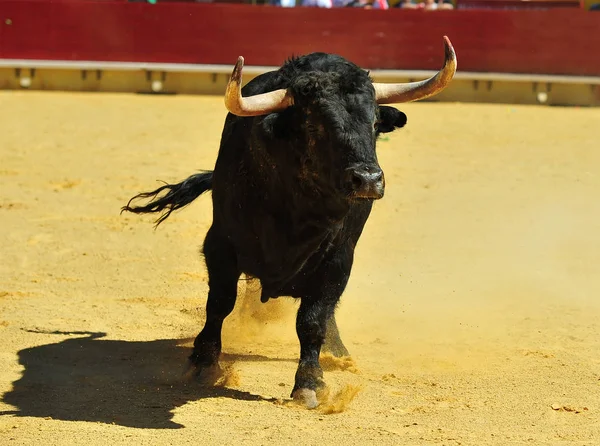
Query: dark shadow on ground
x=134, y=384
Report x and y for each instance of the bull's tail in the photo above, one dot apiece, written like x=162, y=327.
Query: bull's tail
x=177, y=196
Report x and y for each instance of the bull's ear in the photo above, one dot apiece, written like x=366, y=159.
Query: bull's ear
x=390, y=119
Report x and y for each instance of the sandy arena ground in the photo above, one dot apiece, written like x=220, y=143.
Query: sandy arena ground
x=472, y=315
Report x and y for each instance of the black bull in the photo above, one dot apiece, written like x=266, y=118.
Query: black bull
x=292, y=188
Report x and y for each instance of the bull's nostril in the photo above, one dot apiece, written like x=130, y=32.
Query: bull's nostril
x=365, y=180
x=357, y=181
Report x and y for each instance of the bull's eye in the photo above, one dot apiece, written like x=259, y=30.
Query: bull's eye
x=311, y=128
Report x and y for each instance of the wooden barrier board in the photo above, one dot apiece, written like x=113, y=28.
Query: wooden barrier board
x=562, y=41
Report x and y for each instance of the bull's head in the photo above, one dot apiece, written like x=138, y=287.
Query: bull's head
x=334, y=117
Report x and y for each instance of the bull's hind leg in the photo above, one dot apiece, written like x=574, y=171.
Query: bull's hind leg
x=333, y=342
x=223, y=275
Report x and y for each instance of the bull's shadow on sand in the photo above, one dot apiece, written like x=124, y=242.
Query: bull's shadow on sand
x=134, y=384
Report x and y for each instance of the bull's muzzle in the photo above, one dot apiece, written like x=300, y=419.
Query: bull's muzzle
x=365, y=181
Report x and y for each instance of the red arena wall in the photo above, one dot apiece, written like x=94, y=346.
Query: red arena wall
x=556, y=41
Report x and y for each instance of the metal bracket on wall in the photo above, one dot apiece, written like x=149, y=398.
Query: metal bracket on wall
x=541, y=95
x=25, y=76
x=84, y=75
x=156, y=85
x=488, y=85
x=536, y=87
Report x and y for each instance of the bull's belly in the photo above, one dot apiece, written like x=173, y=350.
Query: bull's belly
x=276, y=285
x=283, y=279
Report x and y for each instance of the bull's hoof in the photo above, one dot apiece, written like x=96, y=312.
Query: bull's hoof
x=206, y=375
x=306, y=397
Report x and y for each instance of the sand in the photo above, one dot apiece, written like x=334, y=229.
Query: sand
x=472, y=314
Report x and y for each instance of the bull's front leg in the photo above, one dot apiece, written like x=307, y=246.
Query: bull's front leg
x=315, y=317
x=311, y=326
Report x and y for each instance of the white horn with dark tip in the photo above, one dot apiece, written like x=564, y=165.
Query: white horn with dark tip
x=257, y=105
x=414, y=91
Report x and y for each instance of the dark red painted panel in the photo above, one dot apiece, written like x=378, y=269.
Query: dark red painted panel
x=549, y=42
x=518, y=4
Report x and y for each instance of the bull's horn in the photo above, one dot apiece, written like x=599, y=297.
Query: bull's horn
x=260, y=104
x=414, y=91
